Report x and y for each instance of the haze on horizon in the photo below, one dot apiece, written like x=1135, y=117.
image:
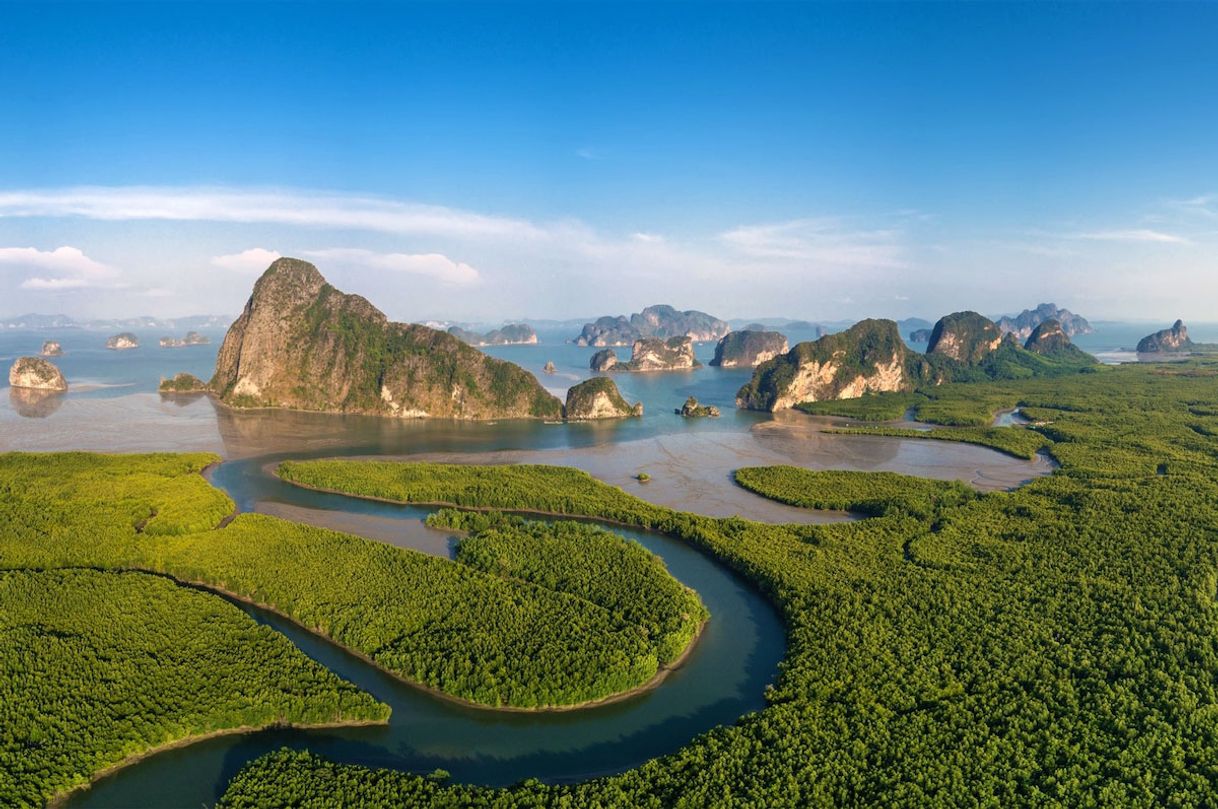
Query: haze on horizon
x=487, y=162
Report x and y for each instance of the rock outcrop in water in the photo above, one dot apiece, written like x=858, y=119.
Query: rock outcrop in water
x=1023, y=324
x=599, y=398
x=35, y=373
x=654, y=354
x=745, y=349
x=183, y=383
x=649, y=354
x=603, y=360
x=192, y=338
x=1167, y=341
x=965, y=337
x=869, y=357
x=123, y=341
x=51, y=348
x=692, y=409
x=515, y=334
x=300, y=343
x=549, y=367
x=659, y=321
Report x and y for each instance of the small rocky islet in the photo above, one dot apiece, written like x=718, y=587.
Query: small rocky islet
x=36, y=373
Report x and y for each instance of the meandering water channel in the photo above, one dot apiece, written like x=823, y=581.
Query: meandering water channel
x=690, y=463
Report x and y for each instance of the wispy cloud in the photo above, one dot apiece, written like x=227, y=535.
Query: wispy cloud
x=285, y=207
x=66, y=267
x=1143, y=235
x=255, y=259
x=825, y=241
x=589, y=153
x=431, y=265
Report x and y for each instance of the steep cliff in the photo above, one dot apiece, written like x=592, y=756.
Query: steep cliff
x=300, y=343
x=964, y=336
x=35, y=373
x=654, y=354
x=745, y=349
x=599, y=398
x=869, y=357
x=1023, y=324
x=1173, y=340
x=659, y=321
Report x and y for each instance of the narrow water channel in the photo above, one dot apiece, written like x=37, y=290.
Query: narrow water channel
x=723, y=678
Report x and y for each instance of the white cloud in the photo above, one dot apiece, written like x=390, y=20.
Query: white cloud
x=53, y=284
x=255, y=259
x=432, y=265
x=286, y=207
x=825, y=241
x=647, y=238
x=1143, y=235
x=70, y=268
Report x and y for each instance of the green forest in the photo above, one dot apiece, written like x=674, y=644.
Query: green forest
x=1053, y=645
x=487, y=637
x=96, y=667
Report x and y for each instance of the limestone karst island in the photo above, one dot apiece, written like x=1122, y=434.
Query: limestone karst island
x=602, y=405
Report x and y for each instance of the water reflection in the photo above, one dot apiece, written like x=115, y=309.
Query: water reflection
x=31, y=403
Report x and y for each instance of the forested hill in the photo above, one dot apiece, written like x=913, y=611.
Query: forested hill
x=302, y=344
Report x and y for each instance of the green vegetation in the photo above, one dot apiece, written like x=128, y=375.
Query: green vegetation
x=97, y=667
x=183, y=383
x=1054, y=645
x=489, y=638
x=1017, y=441
x=587, y=562
x=871, y=407
x=871, y=493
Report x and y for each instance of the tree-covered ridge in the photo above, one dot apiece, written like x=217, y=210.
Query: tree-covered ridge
x=1053, y=645
x=490, y=639
x=587, y=562
x=97, y=667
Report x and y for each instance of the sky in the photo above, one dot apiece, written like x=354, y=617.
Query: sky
x=490, y=162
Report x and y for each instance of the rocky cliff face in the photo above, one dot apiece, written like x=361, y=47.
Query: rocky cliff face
x=919, y=336
x=35, y=373
x=300, y=343
x=745, y=349
x=603, y=360
x=964, y=336
x=1171, y=340
x=122, y=342
x=654, y=354
x=659, y=321
x=51, y=348
x=1047, y=338
x=511, y=335
x=1023, y=324
x=869, y=357
x=599, y=398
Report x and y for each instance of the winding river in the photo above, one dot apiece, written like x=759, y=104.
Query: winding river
x=690, y=462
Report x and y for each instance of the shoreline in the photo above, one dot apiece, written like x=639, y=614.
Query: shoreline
x=662, y=672
x=60, y=798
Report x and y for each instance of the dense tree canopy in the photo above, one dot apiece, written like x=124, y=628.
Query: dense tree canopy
x=1051, y=645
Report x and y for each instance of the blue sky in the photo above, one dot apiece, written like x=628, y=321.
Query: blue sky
x=494, y=161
